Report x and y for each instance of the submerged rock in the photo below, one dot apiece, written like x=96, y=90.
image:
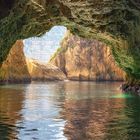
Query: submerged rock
x=14, y=68
x=41, y=72
x=135, y=89
x=82, y=59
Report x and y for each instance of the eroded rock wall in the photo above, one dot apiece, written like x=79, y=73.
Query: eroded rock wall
x=17, y=68
x=14, y=68
x=82, y=59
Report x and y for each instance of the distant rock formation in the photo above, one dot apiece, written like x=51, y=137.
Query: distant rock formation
x=41, y=72
x=82, y=59
x=14, y=68
x=76, y=59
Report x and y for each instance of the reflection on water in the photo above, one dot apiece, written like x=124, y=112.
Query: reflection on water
x=68, y=110
x=10, y=107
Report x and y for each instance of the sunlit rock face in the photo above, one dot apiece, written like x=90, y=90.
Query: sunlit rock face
x=14, y=68
x=17, y=68
x=115, y=22
x=42, y=72
x=83, y=59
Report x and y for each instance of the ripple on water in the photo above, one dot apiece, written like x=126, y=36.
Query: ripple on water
x=68, y=110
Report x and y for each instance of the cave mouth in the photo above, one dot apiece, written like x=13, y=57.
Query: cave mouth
x=43, y=48
x=76, y=58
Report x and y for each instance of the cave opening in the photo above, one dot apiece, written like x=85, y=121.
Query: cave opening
x=76, y=58
x=61, y=55
x=69, y=110
x=43, y=48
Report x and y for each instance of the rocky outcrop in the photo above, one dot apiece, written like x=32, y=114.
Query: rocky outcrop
x=14, y=68
x=82, y=59
x=42, y=72
x=115, y=22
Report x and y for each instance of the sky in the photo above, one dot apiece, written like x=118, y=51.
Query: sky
x=42, y=48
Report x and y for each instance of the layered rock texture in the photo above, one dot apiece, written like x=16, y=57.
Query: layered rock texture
x=41, y=72
x=82, y=59
x=115, y=22
x=14, y=68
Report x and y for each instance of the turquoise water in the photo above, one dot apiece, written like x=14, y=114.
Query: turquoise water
x=68, y=111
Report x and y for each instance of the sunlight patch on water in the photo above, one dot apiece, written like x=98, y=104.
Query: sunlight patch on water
x=124, y=95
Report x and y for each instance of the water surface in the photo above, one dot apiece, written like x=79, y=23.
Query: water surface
x=68, y=111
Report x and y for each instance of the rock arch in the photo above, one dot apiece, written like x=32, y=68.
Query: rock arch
x=115, y=22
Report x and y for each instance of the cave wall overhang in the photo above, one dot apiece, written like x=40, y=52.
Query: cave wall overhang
x=115, y=22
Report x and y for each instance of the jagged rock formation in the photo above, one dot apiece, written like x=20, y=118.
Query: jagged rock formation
x=82, y=59
x=14, y=68
x=115, y=22
x=41, y=72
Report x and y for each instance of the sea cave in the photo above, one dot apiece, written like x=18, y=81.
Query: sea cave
x=69, y=69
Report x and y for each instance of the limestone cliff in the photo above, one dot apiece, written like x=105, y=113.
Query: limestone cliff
x=14, y=68
x=40, y=71
x=83, y=59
